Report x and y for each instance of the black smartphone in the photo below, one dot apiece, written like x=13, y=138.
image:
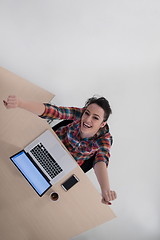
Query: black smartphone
x=70, y=182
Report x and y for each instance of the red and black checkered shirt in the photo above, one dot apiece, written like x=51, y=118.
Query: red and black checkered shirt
x=80, y=149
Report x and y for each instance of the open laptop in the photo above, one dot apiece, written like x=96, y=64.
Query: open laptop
x=44, y=162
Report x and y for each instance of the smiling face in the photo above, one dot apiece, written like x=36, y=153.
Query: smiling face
x=92, y=120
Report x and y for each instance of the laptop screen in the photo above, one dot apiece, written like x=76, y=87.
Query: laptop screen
x=31, y=173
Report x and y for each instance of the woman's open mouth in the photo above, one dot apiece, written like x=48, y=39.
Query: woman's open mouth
x=86, y=125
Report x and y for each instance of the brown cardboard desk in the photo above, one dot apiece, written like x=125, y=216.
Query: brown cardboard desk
x=23, y=214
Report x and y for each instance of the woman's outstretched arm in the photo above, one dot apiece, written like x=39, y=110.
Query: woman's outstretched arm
x=15, y=102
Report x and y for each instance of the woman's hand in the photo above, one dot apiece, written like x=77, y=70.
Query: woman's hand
x=33, y=107
x=12, y=102
x=102, y=176
x=108, y=196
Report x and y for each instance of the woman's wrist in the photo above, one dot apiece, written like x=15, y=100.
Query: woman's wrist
x=105, y=189
x=20, y=103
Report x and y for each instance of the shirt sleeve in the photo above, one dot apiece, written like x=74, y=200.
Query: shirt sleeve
x=103, y=153
x=55, y=112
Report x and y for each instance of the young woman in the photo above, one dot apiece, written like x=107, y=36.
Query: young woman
x=87, y=135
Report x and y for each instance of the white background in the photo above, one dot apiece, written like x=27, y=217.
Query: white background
x=78, y=48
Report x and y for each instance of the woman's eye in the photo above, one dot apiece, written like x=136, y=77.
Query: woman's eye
x=87, y=113
x=96, y=118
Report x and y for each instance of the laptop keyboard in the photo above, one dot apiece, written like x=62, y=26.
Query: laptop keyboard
x=46, y=160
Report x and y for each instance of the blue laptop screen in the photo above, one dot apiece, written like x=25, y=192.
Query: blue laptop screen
x=31, y=173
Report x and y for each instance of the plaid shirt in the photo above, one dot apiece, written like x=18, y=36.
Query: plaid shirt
x=80, y=149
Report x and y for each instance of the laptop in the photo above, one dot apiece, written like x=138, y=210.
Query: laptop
x=44, y=162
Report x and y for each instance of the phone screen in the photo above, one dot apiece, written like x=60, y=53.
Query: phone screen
x=70, y=182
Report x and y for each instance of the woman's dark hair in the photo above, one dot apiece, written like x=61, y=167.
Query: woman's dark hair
x=103, y=103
